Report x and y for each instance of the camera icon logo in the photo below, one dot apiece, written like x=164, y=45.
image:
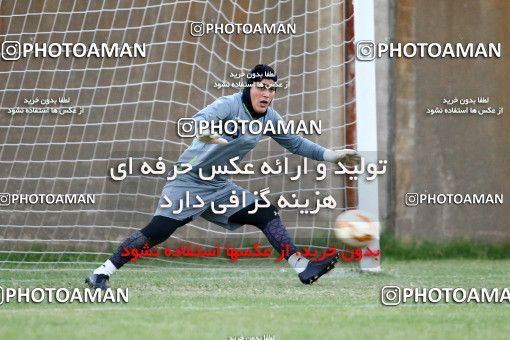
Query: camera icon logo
x=11, y=50
x=391, y=295
x=5, y=200
x=365, y=50
x=186, y=128
x=411, y=199
x=197, y=29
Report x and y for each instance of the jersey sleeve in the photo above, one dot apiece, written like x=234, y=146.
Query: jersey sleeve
x=218, y=110
x=296, y=143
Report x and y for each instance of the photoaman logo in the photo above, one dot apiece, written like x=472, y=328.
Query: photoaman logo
x=15, y=50
x=11, y=50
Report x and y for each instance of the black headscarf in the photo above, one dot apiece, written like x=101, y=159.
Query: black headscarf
x=258, y=73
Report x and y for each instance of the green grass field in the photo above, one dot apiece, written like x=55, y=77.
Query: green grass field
x=197, y=303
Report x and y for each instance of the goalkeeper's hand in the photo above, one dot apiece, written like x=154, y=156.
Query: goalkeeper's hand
x=212, y=139
x=344, y=156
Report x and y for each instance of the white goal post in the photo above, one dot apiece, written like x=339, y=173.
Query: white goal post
x=366, y=115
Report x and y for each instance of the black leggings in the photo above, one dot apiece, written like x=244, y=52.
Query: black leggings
x=161, y=228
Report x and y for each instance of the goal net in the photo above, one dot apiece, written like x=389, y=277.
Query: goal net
x=66, y=121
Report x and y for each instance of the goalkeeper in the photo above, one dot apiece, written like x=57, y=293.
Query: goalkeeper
x=208, y=150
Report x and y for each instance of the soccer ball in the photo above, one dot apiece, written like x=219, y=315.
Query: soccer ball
x=356, y=228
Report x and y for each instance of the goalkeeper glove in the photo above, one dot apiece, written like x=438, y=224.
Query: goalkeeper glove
x=344, y=156
x=211, y=139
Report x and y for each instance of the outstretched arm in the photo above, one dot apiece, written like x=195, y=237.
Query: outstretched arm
x=304, y=147
x=216, y=111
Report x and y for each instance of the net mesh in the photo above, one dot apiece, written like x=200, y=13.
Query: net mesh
x=130, y=108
